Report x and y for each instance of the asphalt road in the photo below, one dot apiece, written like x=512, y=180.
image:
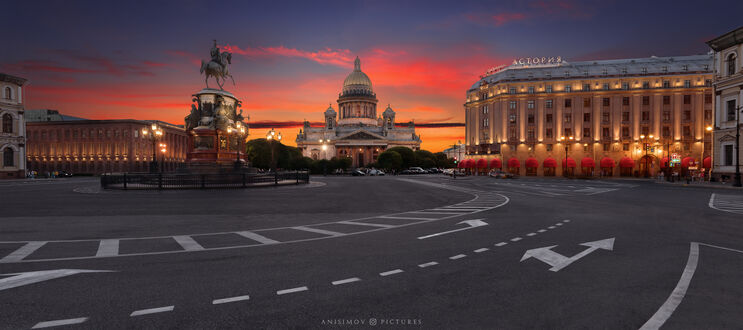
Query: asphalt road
x=373, y=252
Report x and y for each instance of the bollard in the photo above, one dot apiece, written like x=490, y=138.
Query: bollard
x=159, y=181
x=243, y=180
x=203, y=179
x=275, y=178
x=297, y=176
x=124, y=181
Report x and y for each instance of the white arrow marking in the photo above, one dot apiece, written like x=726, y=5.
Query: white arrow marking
x=559, y=261
x=21, y=279
x=471, y=223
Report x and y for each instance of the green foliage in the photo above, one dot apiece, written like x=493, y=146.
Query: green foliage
x=390, y=159
x=286, y=157
x=424, y=159
x=407, y=154
x=444, y=162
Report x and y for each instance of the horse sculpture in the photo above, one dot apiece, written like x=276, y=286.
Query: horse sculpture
x=218, y=70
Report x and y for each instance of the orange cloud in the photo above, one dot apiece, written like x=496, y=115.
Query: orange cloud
x=338, y=57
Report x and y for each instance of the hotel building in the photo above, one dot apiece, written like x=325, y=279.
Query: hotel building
x=12, y=128
x=728, y=99
x=631, y=117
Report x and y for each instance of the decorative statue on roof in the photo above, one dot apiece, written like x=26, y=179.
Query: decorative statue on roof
x=217, y=66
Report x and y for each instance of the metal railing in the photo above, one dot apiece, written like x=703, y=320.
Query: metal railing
x=134, y=181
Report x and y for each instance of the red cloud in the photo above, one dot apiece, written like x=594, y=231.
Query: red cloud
x=503, y=18
x=338, y=57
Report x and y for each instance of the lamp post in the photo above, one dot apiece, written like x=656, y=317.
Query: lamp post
x=155, y=133
x=704, y=139
x=271, y=136
x=238, y=131
x=646, y=146
x=737, y=182
x=163, y=150
x=567, y=146
x=324, y=156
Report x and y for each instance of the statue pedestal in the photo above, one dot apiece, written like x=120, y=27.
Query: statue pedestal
x=209, y=142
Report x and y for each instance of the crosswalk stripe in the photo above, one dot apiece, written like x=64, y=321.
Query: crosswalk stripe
x=368, y=224
x=107, y=248
x=188, y=243
x=23, y=252
x=256, y=237
x=318, y=231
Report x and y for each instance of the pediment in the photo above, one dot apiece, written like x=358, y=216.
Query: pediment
x=362, y=135
x=727, y=138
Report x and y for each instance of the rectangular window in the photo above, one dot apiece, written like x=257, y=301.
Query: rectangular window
x=512, y=132
x=530, y=118
x=568, y=117
x=731, y=110
x=687, y=131
x=485, y=122
x=548, y=133
x=512, y=105
x=548, y=89
x=605, y=87
x=568, y=88
x=586, y=117
x=531, y=89
x=606, y=101
x=606, y=146
x=512, y=118
x=568, y=132
x=548, y=118
x=605, y=132
x=624, y=70
x=625, y=146
x=666, y=115
x=548, y=104
x=728, y=152
x=625, y=85
x=666, y=131
x=707, y=82
x=625, y=100
x=530, y=133
x=646, y=100
x=646, y=116
x=586, y=87
x=586, y=102
x=568, y=103
x=644, y=70
x=512, y=90
x=605, y=116
x=645, y=130
x=485, y=110
x=687, y=83
x=625, y=116
x=707, y=98
x=530, y=104
x=625, y=132
x=687, y=99
x=586, y=132
x=549, y=147
x=687, y=115
x=645, y=85
x=708, y=114
x=666, y=84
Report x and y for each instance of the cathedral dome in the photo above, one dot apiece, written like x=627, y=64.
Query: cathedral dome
x=357, y=80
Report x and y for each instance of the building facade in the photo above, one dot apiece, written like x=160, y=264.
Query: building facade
x=103, y=146
x=456, y=151
x=12, y=128
x=728, y=66
x=356, y=131
x=544, y=116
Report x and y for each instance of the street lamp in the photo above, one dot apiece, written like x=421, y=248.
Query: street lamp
x=567, y=146
x=239, y=131
x=737, y=182
x=155, y=133
x=163, y=150
x=271, y=136
x=324, y=155
x=646, y=145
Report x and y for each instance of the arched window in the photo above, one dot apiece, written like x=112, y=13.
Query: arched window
x=7, y=123
x=8, y=157
x=731, y=64
x=8, y=93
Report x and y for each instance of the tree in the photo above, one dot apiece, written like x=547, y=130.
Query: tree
x=259, y=153
x=443, y=161
x=390, y=160
x=408, y=157
x=421, y=157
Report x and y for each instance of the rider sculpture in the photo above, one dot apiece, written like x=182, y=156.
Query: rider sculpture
x=217, y=66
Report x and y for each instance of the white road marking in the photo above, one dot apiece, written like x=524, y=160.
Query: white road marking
x=391, y=272
x=470, y=224
x=516, y=239
x=541, y=230
x=565, y=220
x=319, y=231
x=668, y=307
x=292, y=290
x=727, y=203
x=458, y=256
x=531, y=234
x=501, y=244
x=405, y=218
x=428, y=264
x=348, y=280
x=558, y=224
x=23, y=251
x=26, y=278
x=107, y=248
x=551, y=227
x=559, y=261
x=188, y=243
x=56, y=323
x=481, y=250
x=256, y=237
x=366, y=224
x=152, y=311
x=229, y=300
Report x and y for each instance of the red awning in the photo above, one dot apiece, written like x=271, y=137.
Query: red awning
x=587, y=162
x=532, y=162
x=664, y=162
x=707, y=162
x=513, y=162
x=688, y=161
x=626, y=162
x=570, y=161
x=607, y=162
x=495, y=163
x=470, y=163
x=482, y=163
x=462, y=163
x=549, y=162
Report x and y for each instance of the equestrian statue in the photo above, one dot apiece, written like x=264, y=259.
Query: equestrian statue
x=217, y=66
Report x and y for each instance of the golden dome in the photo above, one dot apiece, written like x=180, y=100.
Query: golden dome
x=357, y=79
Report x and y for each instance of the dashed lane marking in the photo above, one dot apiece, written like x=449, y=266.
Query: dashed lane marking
x=292, y=290
x=481, y=250
x=551, y=227
x=541, y=230
x=348, y=280
x=152, y=311
x=57, y=323
x=188, y=243
x=516, y=239
x=391, y=272
x=428, y=264
x=501, y=244
x=230, y=300
x=458, y=256
x=531, y=234
x=256, y=237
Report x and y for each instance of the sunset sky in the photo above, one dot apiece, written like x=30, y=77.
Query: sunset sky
x=140, y=59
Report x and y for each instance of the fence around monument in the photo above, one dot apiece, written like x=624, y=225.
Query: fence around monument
x=138, y=181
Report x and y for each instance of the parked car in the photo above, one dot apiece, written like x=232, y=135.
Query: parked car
x=417, y=170
x=498, y=174
x=374, y=172
x=357, y=173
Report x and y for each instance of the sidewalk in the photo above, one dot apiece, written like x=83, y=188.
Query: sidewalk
x=706, y=184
